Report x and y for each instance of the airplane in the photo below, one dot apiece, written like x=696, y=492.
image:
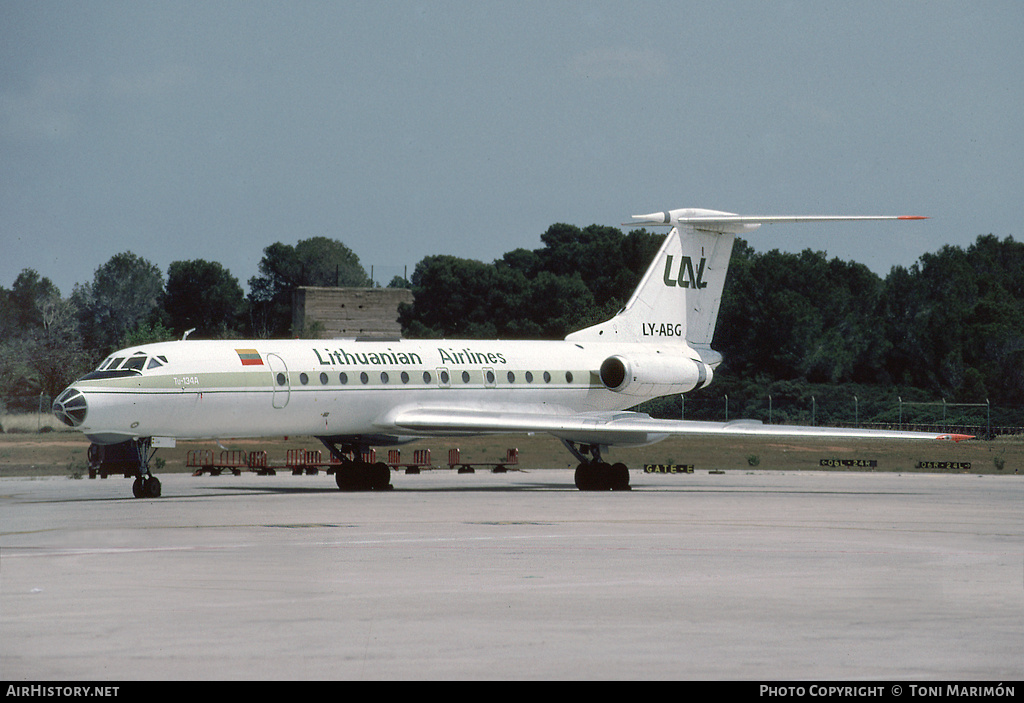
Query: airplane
x=353, y=394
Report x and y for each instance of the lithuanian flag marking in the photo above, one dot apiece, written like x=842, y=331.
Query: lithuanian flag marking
x=249, y=357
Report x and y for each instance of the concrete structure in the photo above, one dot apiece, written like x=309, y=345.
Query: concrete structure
x=327, y=313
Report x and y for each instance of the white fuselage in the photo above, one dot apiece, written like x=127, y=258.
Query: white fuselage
x=353, y=388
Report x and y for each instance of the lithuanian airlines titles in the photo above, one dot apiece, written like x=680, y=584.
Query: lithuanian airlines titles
x=356, y=394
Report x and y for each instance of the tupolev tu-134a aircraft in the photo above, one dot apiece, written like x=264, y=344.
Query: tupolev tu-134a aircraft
x=353, y=394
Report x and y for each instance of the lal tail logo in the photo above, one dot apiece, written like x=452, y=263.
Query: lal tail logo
x=685, y=278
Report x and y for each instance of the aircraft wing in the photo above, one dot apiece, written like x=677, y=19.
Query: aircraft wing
x=619, y=428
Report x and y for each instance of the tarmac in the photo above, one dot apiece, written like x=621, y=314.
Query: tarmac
x=746, y=575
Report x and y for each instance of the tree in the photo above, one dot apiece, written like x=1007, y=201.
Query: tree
x=56, y=354
x=456, y=297
x=798, y=316
x=318, y=261
x=204, y=296
x=41, y=349
x=955, y=322
x=21, y=307
x=609, y=263
x=994, y=352
x=579, y=278
x=124, y=292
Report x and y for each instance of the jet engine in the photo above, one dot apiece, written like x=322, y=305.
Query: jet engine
x=653, y=374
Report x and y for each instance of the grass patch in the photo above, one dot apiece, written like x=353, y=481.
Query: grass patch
x=28, y=423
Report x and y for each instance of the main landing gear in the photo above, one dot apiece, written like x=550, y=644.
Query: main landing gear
x=355, y=474
x=594, y=474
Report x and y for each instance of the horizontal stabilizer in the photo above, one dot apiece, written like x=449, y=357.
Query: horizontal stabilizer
x=714, y=221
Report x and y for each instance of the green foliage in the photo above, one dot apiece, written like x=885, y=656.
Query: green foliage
x=40, y=348
x=954, y=322
x=125, y=291
x=799, y=316
x=21, y=307
x=580, y=277
x=149, y=333
x=203, y=296
x=317, y=261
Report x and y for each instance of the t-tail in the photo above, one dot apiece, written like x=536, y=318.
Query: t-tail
x=680, y=295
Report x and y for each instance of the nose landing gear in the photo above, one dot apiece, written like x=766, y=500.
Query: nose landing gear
x=146, y=485
x=129, y=458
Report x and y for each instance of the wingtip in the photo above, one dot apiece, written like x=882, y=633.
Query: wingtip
x=912, y=217
x=955, y=437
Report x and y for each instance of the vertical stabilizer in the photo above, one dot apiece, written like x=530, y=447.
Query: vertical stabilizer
x=679, y=296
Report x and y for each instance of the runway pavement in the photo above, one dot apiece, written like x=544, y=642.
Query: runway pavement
x=742, y=575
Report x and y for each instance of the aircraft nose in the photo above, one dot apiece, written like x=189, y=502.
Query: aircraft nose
x=70, y=407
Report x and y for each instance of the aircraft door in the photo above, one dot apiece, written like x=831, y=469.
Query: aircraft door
x=279, y=378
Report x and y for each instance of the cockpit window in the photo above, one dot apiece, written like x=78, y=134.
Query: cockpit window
x=118, y=367
x=136, y=363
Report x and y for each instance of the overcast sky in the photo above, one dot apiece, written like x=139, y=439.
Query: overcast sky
x=209, y=130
